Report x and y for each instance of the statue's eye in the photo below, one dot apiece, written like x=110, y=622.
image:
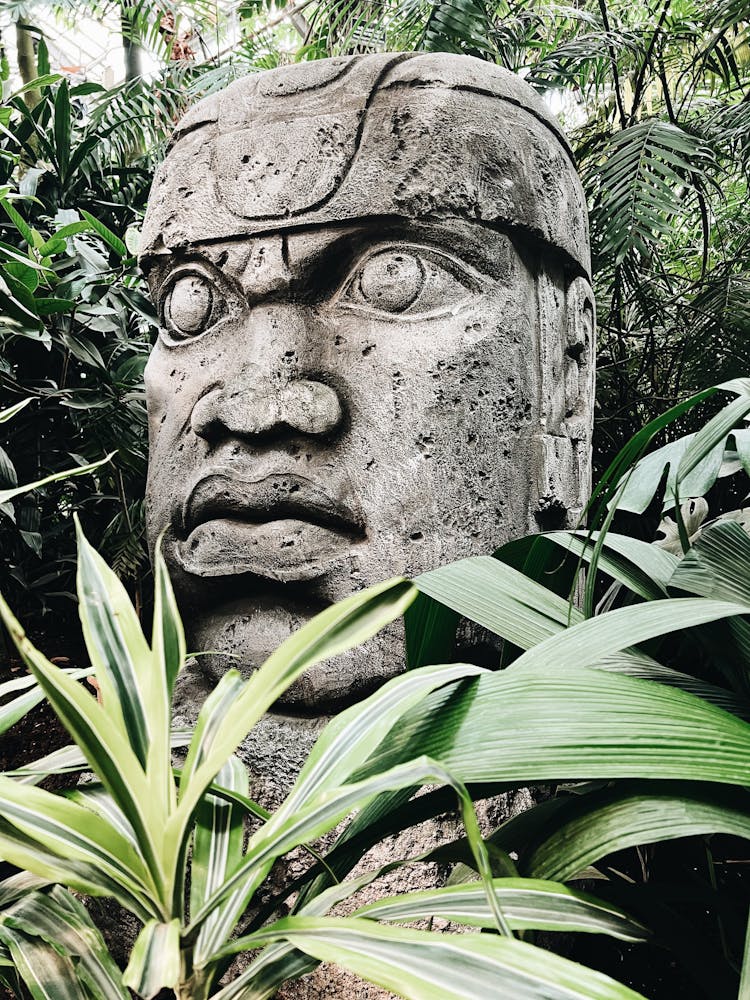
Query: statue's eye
x=407, y=281
x=192, y=305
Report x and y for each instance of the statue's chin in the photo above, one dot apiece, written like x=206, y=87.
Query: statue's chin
x=242, y=637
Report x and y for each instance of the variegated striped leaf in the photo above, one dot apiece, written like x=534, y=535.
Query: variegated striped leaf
x=420, y=965
x=46, y=973
x=218, y=852
x=168, y=656
x=62, y=922
x=14, y=709
x=528, y=904
x=117, y=647
x=105, y=747
x=328, y=808
x=339, y=627
x=350, y=738
x=72, y=832
x=155, y=959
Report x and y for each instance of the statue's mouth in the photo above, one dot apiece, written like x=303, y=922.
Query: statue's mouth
x=281, y=527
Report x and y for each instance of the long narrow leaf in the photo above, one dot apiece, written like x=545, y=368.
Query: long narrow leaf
x=423, y=966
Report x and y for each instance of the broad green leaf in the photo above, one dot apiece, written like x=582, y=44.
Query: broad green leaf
x=430, y=632
x=422, y=966
x=541, y=723
x=717, y=566
x=62, y=128
x=499, y=598
x=155, y=959
x=18, y=221
x=709, y=437
x=528, y=904
x=42, y=81
x=593, y=826
x=588, y=642
x=50, y=306
x=645, y=569
x=93, y=795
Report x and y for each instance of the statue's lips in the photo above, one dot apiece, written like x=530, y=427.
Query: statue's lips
x=282, y=527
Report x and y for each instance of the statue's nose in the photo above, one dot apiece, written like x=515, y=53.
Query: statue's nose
x=251, y=406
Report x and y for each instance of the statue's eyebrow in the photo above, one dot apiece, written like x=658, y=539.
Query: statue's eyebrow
x=318, y=269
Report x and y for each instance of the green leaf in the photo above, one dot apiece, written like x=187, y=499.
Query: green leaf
x=114, y=640
x=644, y=569
x=540, y=723
x=18, y=221
x=46, y=306
x=28, y=276
x=106, y=234
x=11, y=411
x=62, y=129
x=592, y=826
x=424, y=966
x=155, y=959
x=711, y=435
x=718, y=564
x=81, y=470
x=499, y=598
x=42, y=81
x=62, y=922
x=528, y=904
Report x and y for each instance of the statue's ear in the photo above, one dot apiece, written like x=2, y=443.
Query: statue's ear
x=580, y=348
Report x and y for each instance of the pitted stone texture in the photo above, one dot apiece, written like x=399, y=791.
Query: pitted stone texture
x=421, y=134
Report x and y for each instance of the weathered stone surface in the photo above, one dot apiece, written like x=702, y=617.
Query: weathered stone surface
x=376, y=357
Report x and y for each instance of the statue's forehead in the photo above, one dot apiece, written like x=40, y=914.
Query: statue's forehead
x=352, y=137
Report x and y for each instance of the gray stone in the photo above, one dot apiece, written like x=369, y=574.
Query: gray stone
x=376, y=356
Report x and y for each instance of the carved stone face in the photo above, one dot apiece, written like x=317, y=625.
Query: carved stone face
x=376, y=344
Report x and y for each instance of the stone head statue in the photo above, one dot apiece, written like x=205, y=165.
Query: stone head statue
x=376, y=352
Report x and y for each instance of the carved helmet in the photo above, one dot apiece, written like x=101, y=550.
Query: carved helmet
x=395, y=135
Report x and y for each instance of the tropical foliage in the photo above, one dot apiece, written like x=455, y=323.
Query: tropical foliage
x=645, y=740
x=653, y=95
